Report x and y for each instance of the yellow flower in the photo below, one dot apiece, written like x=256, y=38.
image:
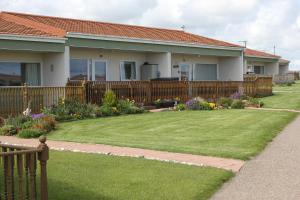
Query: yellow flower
x=212, y=105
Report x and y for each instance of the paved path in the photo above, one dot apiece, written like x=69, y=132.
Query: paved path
x=274, y=109
x=223, y=163
x=273, y=175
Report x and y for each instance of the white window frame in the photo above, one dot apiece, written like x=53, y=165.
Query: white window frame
x=191, y=67
x=93, y=68
x=120, y=70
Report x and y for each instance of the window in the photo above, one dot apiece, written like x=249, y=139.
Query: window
x=128, y=70
x=205, y=72
x=259, y=69
x=185, y=72
x=16, y=74
x=79, y=69
x=249, y=68
x=99, y=71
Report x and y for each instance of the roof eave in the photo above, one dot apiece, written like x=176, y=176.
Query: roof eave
x=250, y=56
x=32, y=38
x=148, y=41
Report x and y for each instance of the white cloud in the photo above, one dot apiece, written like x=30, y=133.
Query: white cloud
x=263, y=23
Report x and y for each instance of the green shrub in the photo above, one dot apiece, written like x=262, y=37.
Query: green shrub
x=198, y=104
x=8, y=130
x=109, y=111
x=128, y=107
x=205, y=106
x=72, y=109
x=255, y=102
x=237, y=104
x=110, y=99
x=180, y=107
x=17, y=121
x=27, y=124
x=225, y=102
x=2, y=121
x=31, y=133
x=46, y=123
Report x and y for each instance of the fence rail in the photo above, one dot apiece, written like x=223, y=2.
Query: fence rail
x=18, y=177
x=14, y=100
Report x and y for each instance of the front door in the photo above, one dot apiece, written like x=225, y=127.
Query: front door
x=99, y=70
x=185, y=72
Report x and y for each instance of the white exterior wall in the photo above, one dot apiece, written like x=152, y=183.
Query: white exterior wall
x=283, y=69
x=113, y=59
x=164, y=63
x=272, y=68
x=56, y=69
x=57, y=77
x=231, y=69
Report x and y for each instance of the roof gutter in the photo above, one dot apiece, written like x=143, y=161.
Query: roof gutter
x=32, y=38
x=276, y=58
x=148, y=41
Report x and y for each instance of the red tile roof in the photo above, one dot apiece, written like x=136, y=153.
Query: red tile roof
x=9, y=27
x=58, y=27
x=260, y=54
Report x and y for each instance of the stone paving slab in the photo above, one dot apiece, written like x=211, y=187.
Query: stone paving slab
x=273, y=175
x=197, y=160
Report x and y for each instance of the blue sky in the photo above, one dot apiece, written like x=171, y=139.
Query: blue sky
x=263, y=23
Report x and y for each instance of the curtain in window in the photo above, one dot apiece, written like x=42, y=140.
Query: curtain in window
x=128, y=71
x=205, y=72
x=32, y=74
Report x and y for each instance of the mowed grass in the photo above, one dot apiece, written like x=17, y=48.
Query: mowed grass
x=287, y=97
x=238, y=134
x=77, y=176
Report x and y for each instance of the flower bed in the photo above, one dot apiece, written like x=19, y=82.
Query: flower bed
x=27, y=126
x=235, y=101
x=35, y=125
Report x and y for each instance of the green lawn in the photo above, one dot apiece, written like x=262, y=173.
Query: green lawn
x=77, y=176
x=226, y=133
x=284, y=97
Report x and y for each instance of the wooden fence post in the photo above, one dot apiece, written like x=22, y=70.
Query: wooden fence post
x=25, y=96
x=43, y=157
x=84, y=96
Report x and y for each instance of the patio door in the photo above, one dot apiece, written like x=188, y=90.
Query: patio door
x=99, y=70
x=185, y=72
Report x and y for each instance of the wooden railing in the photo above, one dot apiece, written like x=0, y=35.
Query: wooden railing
x=285, y=78
x=14, y=100
x=149, y=91
x=263, y=84
x=18, y=174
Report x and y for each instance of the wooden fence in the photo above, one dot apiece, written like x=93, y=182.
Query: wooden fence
x=262, y=84
x=18, y=174
x=14, y=100
x=149, y=91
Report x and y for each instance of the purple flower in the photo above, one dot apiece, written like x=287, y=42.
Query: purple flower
x=236, y=95
x=37, y=116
